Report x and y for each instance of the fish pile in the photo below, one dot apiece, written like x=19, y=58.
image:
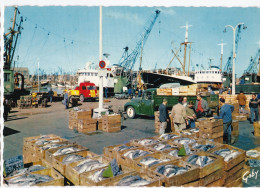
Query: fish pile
x=194, y=130
x=253, y=163
x=199, y=160
x=173, y=153
x=146, y=142
x=162, y=147
x=133, y=181
x=171, y=170
x=45, y=141
x=97, y=176
x=88, y=164
x=27, y=170
x=52, y=146
x=72, y=158
x=63, y=151
x=41, y=137
x=135, y=153
x=227, y=154
x=253, y=153
x=202, y=147
x=150, y=161
x=29, y=179
x=184, y=140
x=123, y=147
x=190, y=131
x=169, y=136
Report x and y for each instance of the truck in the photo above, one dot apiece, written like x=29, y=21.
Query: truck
x=150, y=102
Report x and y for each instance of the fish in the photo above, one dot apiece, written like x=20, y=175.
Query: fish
x=132, y=181
x=227, y=154
x=184, y=140
x=150, y=161
x=253, y=153
x=173, y=153
x=123, y=147
x=52, y=146
x=169, y=136
x=186, y=133
x=253, y=163
x=44, y=141
x=132, y=154
x=18, y=172
x=27, y=170
x=97, y=176
x=199, y=160
x=202, y=147
x=35, y=168
x=88, y=164
x=171, y=170
x=146, y=142
x=161, y=147
x=63, y=151
x=195, y=130
x=72, y=158
x=28, y=180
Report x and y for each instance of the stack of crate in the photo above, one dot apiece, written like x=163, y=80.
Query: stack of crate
x=75, y=116
x=233, y=168
x=156, y=121
x=257, y=128
x=235, y=125
x=111, y=123
x=87, y=125
x=211, y=129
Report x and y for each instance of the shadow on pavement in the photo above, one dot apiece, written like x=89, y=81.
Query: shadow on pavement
x=12, y=112
x=123, y=127
x=12, y=118
x=9, y=131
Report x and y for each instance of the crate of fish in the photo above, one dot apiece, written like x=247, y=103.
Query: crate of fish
x=218, y=183
x=135, y=179
x=253, y=154
x=100, y=178
x=144, y=141
x=128, y=157
x=164, y=146
x=204, y=145
x=51, y=153
x=190, y=132
x=184, y=140
x=231, y=179
x=44, y=177
x=28, y=141
x=60, y=162
x=73, y=170
x=167, y=136
x=232, y=155
x=175, y=173
x=207, y=162
x=120, y=148
x=174, y=153
x=234, y=170
x=143, y=164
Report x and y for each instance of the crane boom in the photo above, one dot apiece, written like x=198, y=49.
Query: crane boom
x=252, y=68
x=128, y=61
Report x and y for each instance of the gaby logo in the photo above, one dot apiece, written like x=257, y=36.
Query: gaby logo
x=248, y=176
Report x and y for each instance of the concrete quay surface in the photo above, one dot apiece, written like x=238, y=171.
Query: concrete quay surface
x=55, y=120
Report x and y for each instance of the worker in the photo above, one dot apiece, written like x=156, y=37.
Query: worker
x=50, y=93
x=201, y=107
x=191, y=116
x=253, y=105
x=241, y=101
x=130, y=92
x=185, y=103
x=139, y=92
x=226, y=114
x=106, y=91
x=179, y=115
x=66, y=99
x=163, y=117
x=6, y=109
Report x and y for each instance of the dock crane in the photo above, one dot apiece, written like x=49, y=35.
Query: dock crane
x=252, y=68
x=123, y=70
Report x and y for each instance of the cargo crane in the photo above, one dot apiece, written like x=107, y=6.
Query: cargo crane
x=227, y=72
x=123, y=74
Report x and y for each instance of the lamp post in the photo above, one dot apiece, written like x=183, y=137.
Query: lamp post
x=234, y=55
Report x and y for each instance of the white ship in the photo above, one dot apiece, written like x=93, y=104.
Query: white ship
x=212, y=75
x=90, y=74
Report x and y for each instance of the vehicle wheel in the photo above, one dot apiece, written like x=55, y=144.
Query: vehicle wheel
x=81, y=98
x=130, y=111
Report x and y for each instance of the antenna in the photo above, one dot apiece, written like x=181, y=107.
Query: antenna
x=258, y=43
x=222, y=50
x=186, y=33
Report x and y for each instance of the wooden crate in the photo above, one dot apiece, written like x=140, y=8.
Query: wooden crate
x=205, y=142
x=210, y=123
x=164, y=91
x=235, y=176
x=57, y=161
x=49, y=153
x=112, y=128
x=162, y=139
x=86, y=181
x=155, y=180
x=219, y=139
x=212, y=178
x=111, y=119
x=237, y=183
x=58, y=178
x=172, y=144
x=218, y=183
x=177, y=180
x=235, y=169
x=87, y=126
x=211, y=135
x=72, y=175
x=135, y=142
x=233, y=162
x=239, y=117
x=217, y=164
x=111, y=151
x=28, y=141
x=257, y=128
x=211, y=130
x=84, y=114
x=191, y=184
x=73, y=123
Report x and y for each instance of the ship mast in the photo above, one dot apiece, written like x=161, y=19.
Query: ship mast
x=222, y=49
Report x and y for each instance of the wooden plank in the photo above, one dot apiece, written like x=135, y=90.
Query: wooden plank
x=191, y=184
x=235, y=169
x=235, y=183
x=211, y=130
x=211, y=178
x=218, y=183
x=233, y=178
x=57, y=161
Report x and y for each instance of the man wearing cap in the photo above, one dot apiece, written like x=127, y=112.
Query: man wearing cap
x=163, y=117
x=226, y=114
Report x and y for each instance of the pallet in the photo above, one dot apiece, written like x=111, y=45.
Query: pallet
x=177, y=180
x=57, y=161
x=86, y=181
x=217, y=164
x=72, y=175
x=58, y=179
x=233, y=162
x=49, y=153
x=212, y=178
x=155, y=181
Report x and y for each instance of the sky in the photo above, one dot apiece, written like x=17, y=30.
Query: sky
x=68, y=37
